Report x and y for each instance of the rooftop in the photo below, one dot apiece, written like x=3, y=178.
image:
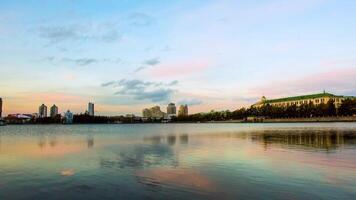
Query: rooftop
x=297, y=98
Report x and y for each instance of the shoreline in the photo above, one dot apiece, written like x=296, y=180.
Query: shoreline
x=349, y=119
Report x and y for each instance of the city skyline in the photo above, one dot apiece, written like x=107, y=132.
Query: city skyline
x=126, y=56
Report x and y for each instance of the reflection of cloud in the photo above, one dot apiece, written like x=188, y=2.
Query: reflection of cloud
x=186, y=178
x=141, y=156
x=67, y=172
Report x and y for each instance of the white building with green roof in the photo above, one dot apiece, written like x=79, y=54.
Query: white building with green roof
x=316, y=99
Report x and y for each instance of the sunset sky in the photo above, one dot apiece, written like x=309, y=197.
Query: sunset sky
x=125, y=55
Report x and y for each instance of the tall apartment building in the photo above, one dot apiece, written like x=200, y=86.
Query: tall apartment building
x=54, y=111
x=91, y=109
x=171, y=110
x=42, y=111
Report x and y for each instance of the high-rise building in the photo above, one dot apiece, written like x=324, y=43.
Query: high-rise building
x=42, y=111
x=91, y=109
x=171, y=110
x=183, y=110
x=54, y=111
x=0, y=107
x=68, y=117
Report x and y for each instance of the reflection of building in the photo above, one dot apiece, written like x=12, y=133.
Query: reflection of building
x=42, y=111
x=171, y=110
x=154, y=112
x=300, y=100
x=68, y=117
x=183, y=110
x=54, y=111
x=91, y=109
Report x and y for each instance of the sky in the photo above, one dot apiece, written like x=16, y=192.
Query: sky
x=125, y=55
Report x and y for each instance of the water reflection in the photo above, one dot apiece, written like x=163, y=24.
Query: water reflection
x=325, y=140
x=90, y=141
x=140, y=156
x=145, y=162
x=170, y=139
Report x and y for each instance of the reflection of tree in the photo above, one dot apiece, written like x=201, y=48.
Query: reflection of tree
x=306, y=138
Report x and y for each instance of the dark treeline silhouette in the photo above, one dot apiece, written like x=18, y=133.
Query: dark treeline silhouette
x=347, y=108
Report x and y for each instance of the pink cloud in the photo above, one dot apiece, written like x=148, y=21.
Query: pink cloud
x=179, y=69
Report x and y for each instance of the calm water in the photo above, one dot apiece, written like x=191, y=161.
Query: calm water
x=179, y=161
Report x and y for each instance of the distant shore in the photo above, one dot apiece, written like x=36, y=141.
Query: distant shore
x=256, y=120
x=292, y=120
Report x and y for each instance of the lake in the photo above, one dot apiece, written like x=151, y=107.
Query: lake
x=178, y=161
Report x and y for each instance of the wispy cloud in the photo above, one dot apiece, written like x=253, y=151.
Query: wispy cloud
x=148, y=62
x=81, y=61
x=140, y=19
x=100, y=32
x=152, y=61
x=179, y=69
x=143, y=90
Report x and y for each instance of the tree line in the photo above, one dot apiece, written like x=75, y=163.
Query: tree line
x=347, y=108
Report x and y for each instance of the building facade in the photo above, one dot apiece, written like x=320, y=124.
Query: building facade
x=54, y=111
x=183, y=111
x=42, y=111
x=154, y=112
x=91, y=109
x=316, y=99
x=171, y=110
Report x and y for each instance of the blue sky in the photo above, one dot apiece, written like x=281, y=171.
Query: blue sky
x=127, y=55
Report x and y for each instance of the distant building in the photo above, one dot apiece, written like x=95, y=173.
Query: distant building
x=0, y=107
x=42, y=111
x=171, y=110
x=91, y=109
x=316, y=99
x=19, y=118
x=154, y=112
x=54, y=111
x=68, y=117
x=183, y=110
